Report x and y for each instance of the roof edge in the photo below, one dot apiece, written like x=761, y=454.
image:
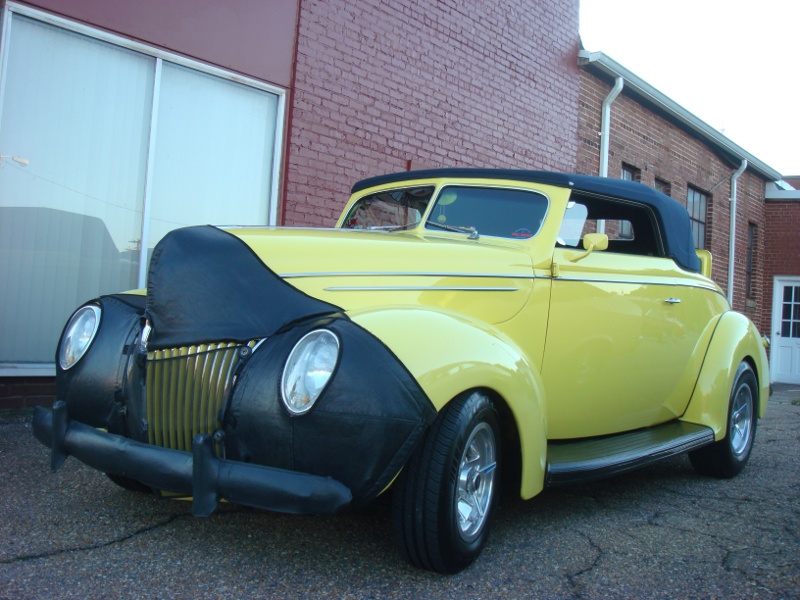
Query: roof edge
x=774, y=194
x=606, y=64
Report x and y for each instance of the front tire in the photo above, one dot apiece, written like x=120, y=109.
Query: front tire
x=726, y=458
x=445, y=497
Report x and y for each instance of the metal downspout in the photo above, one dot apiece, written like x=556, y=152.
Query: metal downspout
x=605, y=124
x=605, y=128
x=732, y=242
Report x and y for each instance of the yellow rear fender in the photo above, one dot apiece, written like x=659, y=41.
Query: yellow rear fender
x=735, y=339
x=449, y=354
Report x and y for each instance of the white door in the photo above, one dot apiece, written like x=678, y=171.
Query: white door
x=785, y=353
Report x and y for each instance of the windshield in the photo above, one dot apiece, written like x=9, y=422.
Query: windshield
x=494, y=211
x=390, y=209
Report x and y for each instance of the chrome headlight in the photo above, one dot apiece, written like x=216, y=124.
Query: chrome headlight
x=308, y=370
x=78, y=335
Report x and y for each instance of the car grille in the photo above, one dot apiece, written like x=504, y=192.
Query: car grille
x=187, y=389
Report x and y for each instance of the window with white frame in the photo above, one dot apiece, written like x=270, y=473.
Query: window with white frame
x=105, y=146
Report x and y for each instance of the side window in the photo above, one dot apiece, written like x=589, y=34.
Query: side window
x=499, y=212
x=573, y=225
x=630, y=228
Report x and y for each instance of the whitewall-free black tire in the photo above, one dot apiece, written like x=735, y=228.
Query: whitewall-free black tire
x=444, y=499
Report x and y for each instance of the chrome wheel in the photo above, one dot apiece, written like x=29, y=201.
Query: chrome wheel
x=476, y=475
x=740, y=427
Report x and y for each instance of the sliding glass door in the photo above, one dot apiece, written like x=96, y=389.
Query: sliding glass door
x=104, y=148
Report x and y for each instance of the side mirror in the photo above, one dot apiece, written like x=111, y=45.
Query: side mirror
x=591, y=242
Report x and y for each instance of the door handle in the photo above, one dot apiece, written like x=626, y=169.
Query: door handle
x=673, y=300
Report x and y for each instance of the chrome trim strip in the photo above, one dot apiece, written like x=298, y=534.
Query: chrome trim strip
x=417, y=288
x=410, y=274
x=692, y=284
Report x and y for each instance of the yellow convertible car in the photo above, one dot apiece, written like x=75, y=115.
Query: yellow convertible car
x=455, y=324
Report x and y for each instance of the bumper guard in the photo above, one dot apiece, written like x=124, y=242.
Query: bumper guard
x=199, y=474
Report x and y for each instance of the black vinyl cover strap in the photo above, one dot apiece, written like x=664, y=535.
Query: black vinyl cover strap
x=205, y=284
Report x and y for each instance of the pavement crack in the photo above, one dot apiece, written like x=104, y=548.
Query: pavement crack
x=143, y=530
x=572, y=578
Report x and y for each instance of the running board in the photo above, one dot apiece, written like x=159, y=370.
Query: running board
x=595, y=458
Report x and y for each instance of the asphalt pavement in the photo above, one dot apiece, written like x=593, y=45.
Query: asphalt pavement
x=662, y=532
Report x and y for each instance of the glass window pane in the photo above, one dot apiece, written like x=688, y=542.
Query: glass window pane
x=498, y=212
x=787, y=311
x=78, y=110
x=787, y=294
x=214, y=152
x=786, y=328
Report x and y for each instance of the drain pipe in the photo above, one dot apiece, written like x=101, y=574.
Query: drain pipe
x=605, y=128
x=605, y=124
x=732, y=243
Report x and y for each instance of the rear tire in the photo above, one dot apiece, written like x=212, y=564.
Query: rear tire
x=726, y=458
x=445, y=497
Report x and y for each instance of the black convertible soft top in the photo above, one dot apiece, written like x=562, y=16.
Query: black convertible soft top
x=673, y=220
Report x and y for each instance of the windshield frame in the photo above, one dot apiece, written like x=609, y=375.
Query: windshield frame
x=424, y=225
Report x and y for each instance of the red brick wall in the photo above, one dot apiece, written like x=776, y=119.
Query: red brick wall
x=383, y=85
x=26, y=392
x=782, y=247
x=643, y=139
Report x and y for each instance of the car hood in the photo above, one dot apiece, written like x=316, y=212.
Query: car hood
x=356, y=269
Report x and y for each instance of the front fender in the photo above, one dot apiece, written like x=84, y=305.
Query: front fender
x=448, y=353
x=735, y=339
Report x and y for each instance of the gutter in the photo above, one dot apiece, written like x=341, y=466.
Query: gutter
x=611, y=68
x=775, y=193
x=732, y=241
